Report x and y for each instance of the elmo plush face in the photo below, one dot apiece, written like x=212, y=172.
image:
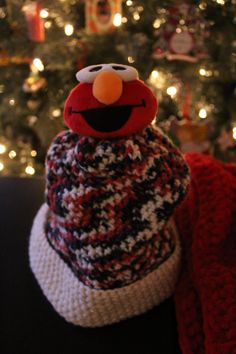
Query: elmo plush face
x=109, y=101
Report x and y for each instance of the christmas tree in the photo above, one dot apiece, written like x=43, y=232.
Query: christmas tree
x=185, y=51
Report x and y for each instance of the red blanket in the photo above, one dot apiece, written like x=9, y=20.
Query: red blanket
x=206, y=291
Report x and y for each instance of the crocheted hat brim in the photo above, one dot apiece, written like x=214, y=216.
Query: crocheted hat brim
x=88, y=307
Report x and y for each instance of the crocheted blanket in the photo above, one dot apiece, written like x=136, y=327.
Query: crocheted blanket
x=206, y=291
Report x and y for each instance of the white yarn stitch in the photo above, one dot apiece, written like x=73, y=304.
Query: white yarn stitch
x=88, y=307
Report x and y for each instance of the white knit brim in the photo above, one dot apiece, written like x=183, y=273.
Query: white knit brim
x=88, y=307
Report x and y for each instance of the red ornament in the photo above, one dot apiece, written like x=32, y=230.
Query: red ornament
x=100, y=15
x=34, y=21
x=179, y=36
x=134, y=108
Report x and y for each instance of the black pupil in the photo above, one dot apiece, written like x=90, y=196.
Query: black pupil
x=117, y=67
x=95, y=68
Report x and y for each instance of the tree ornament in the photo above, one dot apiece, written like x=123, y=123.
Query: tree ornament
x=6, y=59
x=100, y=15
x=192, y=135
x=181, y=43
x=180, y=35
x=34, y=21
x=34, y=83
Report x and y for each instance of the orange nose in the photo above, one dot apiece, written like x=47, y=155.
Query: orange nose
x=107, y=87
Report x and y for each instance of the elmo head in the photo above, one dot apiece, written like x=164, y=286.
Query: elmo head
x=109, y=101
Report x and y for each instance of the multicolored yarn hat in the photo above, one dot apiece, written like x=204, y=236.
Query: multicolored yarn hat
x=104, y=247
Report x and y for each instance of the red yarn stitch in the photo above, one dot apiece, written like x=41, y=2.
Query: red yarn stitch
x=206, y=292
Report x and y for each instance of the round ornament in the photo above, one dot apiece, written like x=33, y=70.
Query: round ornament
x=181, y=43
x=181, y=34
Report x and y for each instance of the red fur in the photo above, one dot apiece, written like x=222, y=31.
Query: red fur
x=81, y=98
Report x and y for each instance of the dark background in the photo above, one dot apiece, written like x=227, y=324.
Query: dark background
x=29, y=324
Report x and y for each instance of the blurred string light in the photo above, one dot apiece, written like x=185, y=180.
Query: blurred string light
x=12, y=102
x=154, y=75
x=140, y=8
x=204, y=72
x=23, y=159
x=32, y=120
x=202, y=113
x=136, y=16
x=2, y=148
x=48, y=24
x=12, y=154
x=117, y=20
x=234, y=133
x=208, y=73
x=157, y=79
x=130, y=59
x=38, y=64
x=44, y=13
x=33, y=153
x=60, y=23
x=69, y=29
x=56, y=112
x=171, y=91
x=135, y=10
x=220, y=2
x=202, y=5
x=157, y=23
x=29, y=170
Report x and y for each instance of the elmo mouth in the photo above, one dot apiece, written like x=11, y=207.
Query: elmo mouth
x=107, y=119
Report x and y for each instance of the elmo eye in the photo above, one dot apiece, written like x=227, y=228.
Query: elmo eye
x=95, y=68
x=117, y=67
x=88, y=74
x=126, y=72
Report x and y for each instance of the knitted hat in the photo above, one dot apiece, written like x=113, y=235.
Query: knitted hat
x=104, y=247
